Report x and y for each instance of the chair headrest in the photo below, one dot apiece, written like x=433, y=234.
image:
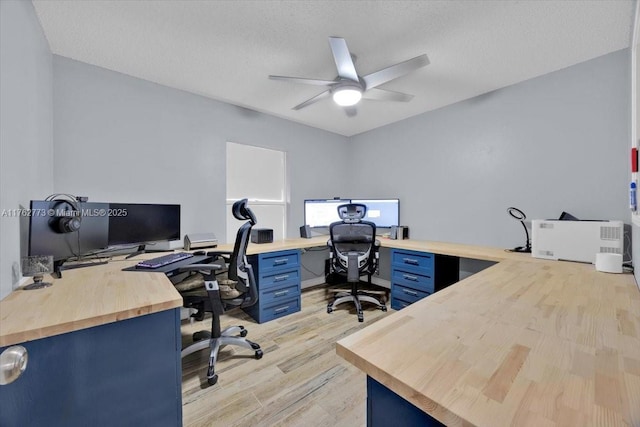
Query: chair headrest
x=352, y=212
x=241, y=211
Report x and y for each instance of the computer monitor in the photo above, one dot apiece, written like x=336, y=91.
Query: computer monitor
x=322, y=212
x=384, y=213
x=140, y=224
x=48, y=237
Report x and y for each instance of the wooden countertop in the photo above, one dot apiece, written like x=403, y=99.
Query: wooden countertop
x=524, y=342
x=278, y=245
x=455, y=249
x=83, y=298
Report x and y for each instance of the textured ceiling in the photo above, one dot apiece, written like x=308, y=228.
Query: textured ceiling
x=226, y=49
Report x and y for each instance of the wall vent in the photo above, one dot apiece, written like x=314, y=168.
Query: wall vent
x=610, y=233
x=607, y=250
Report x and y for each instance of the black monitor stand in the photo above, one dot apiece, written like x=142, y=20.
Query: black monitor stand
x=58, y=266
x=141, y=249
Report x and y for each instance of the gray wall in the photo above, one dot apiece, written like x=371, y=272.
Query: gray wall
x=26, y=146
x=551, y=144
x=119, y=138
x=558, y=142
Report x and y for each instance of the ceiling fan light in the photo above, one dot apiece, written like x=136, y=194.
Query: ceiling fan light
x=347, y=97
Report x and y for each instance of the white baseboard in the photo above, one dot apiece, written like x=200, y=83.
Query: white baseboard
x=381, y=282
x=309, y=283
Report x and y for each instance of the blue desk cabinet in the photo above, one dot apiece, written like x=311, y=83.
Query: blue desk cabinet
x=386, y=409
x=125, y=373
x=279, y=281
x=416, y=275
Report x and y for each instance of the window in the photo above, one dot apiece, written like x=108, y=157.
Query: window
x=257, y=174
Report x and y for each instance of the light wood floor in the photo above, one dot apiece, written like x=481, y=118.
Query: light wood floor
x=299, y=381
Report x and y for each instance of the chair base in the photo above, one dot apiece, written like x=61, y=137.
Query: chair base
x=357, y=300
x=233, y=335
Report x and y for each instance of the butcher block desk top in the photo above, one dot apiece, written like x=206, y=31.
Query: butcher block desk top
x=526, y=342
x=486, y=253
x=84, y=298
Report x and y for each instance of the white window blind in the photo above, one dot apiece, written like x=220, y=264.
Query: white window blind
x=257, y=174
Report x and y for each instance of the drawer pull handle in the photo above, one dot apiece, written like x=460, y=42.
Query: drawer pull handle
x=410, y=261
x=412, y=293
x=281, y=309
x=280, y=261
x=409, y=277
x=281, y=293
x=280, y=278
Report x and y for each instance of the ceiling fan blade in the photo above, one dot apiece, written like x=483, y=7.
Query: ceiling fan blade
x=315, y=82
x=351, y=111
x=343, y=60
x=390, y=73
x=313, y=100
x=386, y=95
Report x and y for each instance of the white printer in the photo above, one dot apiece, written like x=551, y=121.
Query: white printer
x=576, y=240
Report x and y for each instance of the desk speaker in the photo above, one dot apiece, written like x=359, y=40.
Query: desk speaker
x=305, y=232
x=200, y=240
x=399, y=232
x=261, y=235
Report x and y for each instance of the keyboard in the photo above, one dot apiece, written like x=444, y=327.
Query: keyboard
x=163, y=260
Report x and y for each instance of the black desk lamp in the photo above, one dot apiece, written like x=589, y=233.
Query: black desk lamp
x=520, y=216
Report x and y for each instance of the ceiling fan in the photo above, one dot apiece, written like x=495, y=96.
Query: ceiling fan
x=348, y=87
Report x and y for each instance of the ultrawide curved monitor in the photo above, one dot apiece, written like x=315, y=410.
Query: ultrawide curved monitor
x=322, y=212
x=384, y=213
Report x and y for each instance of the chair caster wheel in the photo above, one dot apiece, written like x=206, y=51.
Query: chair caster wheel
x=259, y=354
x=383, y=308
x=255, y=346
x=200, y=335
x=243, y=333
x=360, y=318
x=212, y=380
x=329, y=310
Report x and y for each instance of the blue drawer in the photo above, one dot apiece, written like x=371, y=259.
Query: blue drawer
x=281, y=309
x=281, y=293
x=413, y=280
x=407, y=294
x=414, y=260
x=398, y=304
x=278, y=261
x=278, y=278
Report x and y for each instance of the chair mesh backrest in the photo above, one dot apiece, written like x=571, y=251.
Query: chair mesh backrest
x=237, y=267
x=236, y=263
x=356, y=237
x=353, y=236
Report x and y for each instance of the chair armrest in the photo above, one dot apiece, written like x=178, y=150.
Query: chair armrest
x=222, y=254
x=211, y=253
x=200, y=267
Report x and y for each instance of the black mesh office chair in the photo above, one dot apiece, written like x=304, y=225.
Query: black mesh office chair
x=207, y=297
x=354, y=253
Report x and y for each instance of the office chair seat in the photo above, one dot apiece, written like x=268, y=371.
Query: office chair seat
x=194, y=286
x=193, y=282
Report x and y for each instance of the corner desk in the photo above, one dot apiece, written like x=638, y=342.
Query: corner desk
x=524, y=342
